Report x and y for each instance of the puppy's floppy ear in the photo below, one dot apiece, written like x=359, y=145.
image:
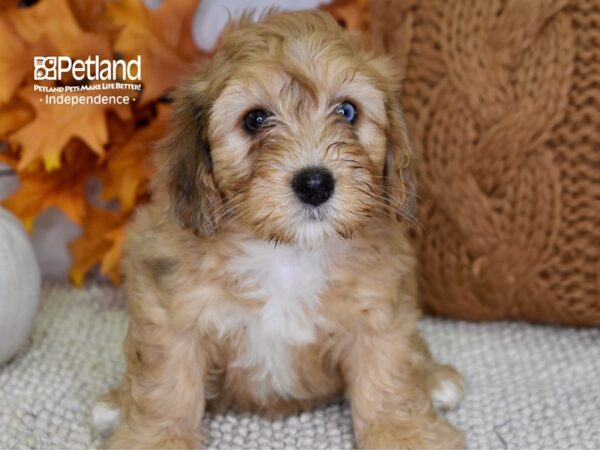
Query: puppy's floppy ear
x=184, y=162
x=400, y=184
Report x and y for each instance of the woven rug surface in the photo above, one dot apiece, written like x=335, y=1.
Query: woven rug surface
x=529, y=387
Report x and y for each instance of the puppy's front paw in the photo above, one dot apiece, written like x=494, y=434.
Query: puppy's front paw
x=413, y=435
x=105, y=417
x=446, y=388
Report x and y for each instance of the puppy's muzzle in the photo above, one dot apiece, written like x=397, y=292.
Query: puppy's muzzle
x=313, y=185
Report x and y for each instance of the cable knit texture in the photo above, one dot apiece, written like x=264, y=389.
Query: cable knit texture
x=503, y=102
x=528, y=387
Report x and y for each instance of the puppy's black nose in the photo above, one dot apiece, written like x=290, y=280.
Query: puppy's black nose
x=313, y=185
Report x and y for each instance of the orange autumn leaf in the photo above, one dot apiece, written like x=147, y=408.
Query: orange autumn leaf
x=129, y=165
x=178, y=16
x=101, y=243
x=55, y=125
x=63, y=188
x=15, y=60
x=352, y=14
x=53, y=21
x=119, y=131
x=14, y=115
x=110, y=263
x=91, y=16
x=155, y=35
x=6, y=4
x=47, y=28
x=7, y=156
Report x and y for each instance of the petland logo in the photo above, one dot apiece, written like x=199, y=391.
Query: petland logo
x=82, y=76
x=92, y=69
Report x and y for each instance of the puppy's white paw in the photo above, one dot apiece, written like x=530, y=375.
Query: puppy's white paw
x=447, y=394
x=105, y=417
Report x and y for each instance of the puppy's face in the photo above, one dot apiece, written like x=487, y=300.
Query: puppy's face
x=292, y=131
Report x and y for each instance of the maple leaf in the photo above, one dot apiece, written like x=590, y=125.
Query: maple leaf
x=352, y=14
x=75, y=28
x=14, y=115
x=63, y=188
x=101, y=242
x=158, y=37
x=47, y=28
x=129, y=164
x=55, y=125
x=111, y=260
x=91, y=16
x=53, y=21
x=119, y=131
x=6, y=4
x=15, y=60
x=40, y=33
x=177, y=17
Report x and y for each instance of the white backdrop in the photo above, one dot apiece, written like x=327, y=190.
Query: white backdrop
x=52, y=230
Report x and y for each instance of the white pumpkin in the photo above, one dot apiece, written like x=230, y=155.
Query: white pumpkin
x=20, y=284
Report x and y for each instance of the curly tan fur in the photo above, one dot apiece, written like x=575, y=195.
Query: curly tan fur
x=241, y=297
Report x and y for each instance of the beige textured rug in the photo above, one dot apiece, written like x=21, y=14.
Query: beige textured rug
x=529, y=387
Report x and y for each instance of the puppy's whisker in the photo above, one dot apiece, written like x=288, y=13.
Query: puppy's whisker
x=228, y=207
x=224, y=215
x=384, y=202
x=234, y=196
x=395, y=189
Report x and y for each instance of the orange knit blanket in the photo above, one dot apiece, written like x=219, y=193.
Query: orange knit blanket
x=503, y=102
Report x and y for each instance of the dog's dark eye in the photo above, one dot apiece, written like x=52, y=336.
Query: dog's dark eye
x=347, y=110
x=254, y=120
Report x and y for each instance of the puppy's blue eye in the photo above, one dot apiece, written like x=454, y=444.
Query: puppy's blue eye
x=347, y=110
x=254, y=120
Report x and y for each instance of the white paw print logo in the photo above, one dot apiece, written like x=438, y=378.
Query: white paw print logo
x=44, y=67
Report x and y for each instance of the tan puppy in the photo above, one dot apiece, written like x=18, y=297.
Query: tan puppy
x=272, y=271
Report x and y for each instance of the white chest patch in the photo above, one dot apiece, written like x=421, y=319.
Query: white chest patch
x=288, y=281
